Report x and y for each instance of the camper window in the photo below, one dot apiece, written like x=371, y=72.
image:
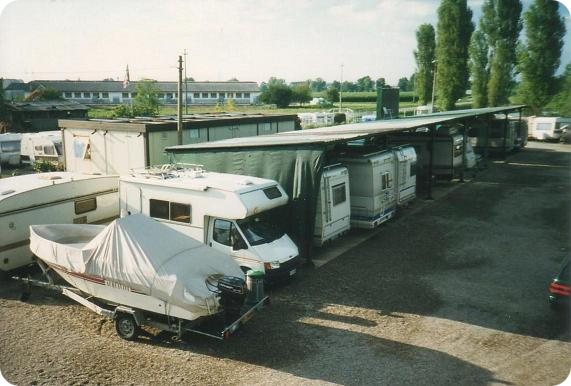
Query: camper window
x=84, y=206
x=180, y=212
x=339, y=194
x=49, y=150
x=10, y=146
x=386, y=181
x=221, y=232
x=545, y=126
x=159, y=209
x=272, y=192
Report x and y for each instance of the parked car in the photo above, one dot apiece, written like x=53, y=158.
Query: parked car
x=560, y=287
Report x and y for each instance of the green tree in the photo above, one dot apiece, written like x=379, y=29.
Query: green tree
x=336, y=85
x=454, y=30
x=301, y=94
x=404, y=84
x=365, y=84
x=332, y=94
x=424, y=56
x=540, y=57
x=146, y=101
x=277, y=93
x=562, y=100
x=501, y=23
x=318, y=85
x=479, y=69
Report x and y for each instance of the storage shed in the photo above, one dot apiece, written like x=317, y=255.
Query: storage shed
x=115, y=146
x=296, y=159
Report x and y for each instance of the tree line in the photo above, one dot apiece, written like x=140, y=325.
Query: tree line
x=458, y=55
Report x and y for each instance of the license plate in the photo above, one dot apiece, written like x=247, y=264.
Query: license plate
x=292, y=272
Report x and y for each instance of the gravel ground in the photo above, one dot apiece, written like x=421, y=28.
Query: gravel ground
x=453, y=291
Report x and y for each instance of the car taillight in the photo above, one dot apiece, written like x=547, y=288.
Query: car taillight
x=559, y=289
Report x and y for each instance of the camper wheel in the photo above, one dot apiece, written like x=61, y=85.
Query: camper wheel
x=126, y=326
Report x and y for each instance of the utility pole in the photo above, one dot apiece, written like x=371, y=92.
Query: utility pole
x=179, y=107
x=185, y=85
x=341, y=90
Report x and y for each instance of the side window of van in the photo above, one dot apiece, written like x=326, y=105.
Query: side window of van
x=221, y=232
x=159, y=209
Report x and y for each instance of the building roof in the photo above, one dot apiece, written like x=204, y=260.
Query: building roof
x=46, y=106
x=18, y=86
x=117, y=86
x=342, y=133
x=167, y=123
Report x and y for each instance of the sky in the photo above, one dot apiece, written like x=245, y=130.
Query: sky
x=249, y=40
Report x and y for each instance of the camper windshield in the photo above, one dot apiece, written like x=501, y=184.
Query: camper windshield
x=259, y=230
x=59, y=148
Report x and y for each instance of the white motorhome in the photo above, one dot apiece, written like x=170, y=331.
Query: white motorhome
x=333, y=210
x=405, y=173
x=42, y=146
x=547, y=128
x=372, y=179
x=232, y=213
x=50, y=198
x=10, y=148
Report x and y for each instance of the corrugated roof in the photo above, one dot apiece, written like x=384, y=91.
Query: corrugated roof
x=117, y=86
x=46, y=106
x=342, y=133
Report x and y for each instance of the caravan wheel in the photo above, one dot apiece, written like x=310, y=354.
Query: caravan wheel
x=126, y=326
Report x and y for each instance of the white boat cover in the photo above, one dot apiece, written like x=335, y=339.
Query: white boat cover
x=139, y=253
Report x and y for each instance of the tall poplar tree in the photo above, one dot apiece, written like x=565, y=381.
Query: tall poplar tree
x=501, y=23
x=424, y=56
x=479, y=69
x=540, y=57
x=453, y=33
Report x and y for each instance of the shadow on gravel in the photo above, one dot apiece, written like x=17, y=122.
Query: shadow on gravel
x=284, y=339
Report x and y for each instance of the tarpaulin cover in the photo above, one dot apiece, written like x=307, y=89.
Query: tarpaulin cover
x=139, y=253
x=297, y=169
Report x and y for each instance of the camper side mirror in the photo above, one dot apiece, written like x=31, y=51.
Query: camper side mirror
x=239, y=244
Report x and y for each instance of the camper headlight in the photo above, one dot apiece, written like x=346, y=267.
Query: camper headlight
x=272, y=265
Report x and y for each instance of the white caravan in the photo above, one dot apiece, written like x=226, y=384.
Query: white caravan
x=50, y=198
x=232, y=213
x=10, y=148
x=547, y=128
x=333, y=210
x=42, y=146
x=372, y=179
x=405, y=173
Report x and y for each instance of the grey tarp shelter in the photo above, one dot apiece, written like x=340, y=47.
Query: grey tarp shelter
x=296, y=159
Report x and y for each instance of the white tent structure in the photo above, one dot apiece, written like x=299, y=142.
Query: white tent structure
x=135, y=261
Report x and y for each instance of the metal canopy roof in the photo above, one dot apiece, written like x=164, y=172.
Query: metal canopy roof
x=342, y=133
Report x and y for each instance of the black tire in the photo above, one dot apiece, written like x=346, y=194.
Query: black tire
x=126, y=327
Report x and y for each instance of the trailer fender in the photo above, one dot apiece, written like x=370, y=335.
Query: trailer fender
x=136, y=314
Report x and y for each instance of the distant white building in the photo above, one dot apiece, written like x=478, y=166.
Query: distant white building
x=114, y=92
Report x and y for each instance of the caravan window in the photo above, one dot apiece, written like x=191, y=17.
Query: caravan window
x=339, y=194
x=159, y=209
x=180, y=212
x=173, y=211
x=272, y=192
x=84, y=206
x=49, y=150
x=413, y=169
x=386, y=182
x=10, y=146
x=543, y=126
x=221, y=232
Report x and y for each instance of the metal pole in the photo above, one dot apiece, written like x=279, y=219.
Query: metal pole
x=434, y=84
x=431, y=160
x=464, y=140
x=504, y=150
x=185, y=85
x=341, y=91
x=179, y=106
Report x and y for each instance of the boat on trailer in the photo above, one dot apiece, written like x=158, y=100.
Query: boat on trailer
x=138, y=271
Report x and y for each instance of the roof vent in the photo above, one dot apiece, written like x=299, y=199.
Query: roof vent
x=50, y=178
x=6, y=192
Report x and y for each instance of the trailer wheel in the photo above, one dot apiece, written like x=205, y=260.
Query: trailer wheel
x=126, y=326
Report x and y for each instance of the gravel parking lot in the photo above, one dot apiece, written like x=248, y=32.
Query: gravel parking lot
x=453, y=291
